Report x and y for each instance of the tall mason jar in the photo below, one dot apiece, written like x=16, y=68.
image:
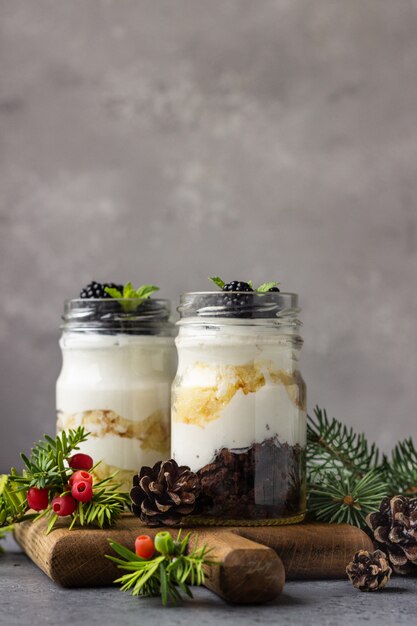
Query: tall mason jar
x=239, y=406
x=116, y=376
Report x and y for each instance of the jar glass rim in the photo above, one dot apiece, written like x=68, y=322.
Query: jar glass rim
x=162, y=301
x=131, y=315
x=272, y=305
x=253, y=293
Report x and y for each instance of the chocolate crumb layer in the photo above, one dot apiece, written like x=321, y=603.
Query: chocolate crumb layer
x=264, y=481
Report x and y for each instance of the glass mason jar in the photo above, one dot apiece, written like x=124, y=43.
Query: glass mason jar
x=117, y=370
x=239, y=406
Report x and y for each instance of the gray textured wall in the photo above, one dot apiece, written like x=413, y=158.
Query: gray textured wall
x=164, y=141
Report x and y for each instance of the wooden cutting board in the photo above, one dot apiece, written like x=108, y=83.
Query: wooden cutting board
x=255, y=560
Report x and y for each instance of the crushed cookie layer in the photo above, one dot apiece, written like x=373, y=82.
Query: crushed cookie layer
x=152, y=432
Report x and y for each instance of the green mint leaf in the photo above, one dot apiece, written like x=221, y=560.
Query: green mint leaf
x=129, y=291
x=250, y=284
x=113, y=292
x=146, y=291
x=267, y=286
x=218, y=281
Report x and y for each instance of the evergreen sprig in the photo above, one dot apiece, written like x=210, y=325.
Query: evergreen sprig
x=7, y=509
x=344, y=498
x=103, y=510
x=166, y=574
x=346, y=475
x=334, y=446
x=401, y=468
x=47, y=468
x=3, y=532
x=13, y=504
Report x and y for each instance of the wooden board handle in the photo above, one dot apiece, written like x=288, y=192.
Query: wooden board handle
x=245, y=565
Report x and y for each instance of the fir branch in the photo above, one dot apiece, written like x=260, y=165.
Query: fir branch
x=103, y=510
x=332, y=446
x=401, y=470
x=3, y=532
x=345, y=499
x=344, y=476
x=45, y=467
x=165, y=574
x=106, y=506
x=13, y=505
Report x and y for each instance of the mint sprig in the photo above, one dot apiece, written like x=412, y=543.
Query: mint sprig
x=218, y=281
x=129, y=294
x=266, y=286
x=261, y=289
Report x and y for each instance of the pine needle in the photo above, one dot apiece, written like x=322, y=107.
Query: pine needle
x=346, y=480
x=164, y=574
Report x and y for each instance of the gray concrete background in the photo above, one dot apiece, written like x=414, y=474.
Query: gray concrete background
x=163, y=141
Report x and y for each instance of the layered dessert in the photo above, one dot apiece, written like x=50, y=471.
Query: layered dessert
x=239, y=404
x=119, y=361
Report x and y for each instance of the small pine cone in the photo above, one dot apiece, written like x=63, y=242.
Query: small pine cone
x=163, y=494
x=394, y=529
x=369, y=571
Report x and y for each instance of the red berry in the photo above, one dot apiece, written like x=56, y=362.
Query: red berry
x=38, y=499
x=82, y=491
x=81, y=461
x=144, y=547
x=80, y=475
x=64, y=505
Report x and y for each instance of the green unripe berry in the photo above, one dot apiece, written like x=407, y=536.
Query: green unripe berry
x=164, y=543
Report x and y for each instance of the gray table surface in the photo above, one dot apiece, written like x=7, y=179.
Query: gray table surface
x=28, y=597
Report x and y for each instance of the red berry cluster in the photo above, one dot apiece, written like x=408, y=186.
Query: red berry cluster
x=80, y=484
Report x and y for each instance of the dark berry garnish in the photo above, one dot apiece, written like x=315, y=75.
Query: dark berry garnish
x=273, y=289
x=237, y=285
x=237, y=302
x=97, y=290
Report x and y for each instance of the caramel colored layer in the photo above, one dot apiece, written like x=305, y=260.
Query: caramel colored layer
x=200, y=405
x=152, y=432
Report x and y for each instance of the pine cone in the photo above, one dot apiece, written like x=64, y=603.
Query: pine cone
x=369, y=571
x=394, y=529
x=163, y=494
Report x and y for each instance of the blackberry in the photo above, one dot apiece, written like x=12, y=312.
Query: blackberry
x=237, y=303
x=273, y=289
x=237, y=285
x=96, y=290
